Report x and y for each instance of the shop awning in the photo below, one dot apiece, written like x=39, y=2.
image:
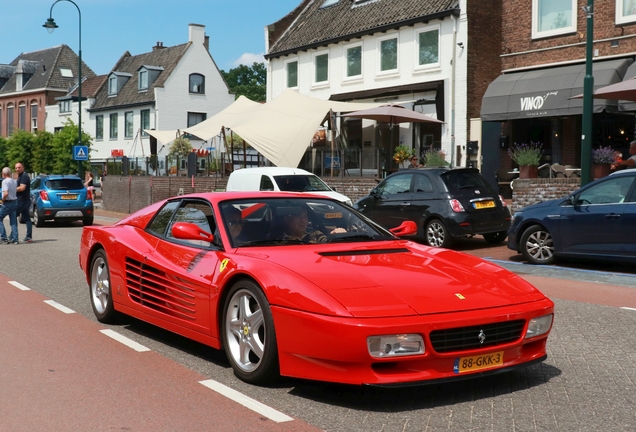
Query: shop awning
x=547, y=92
x=628, y=105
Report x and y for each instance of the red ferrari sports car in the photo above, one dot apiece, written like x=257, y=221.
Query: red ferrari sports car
x=307, y=287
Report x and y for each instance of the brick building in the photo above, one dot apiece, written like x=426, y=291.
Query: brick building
x=32, y=81
x=542, y=56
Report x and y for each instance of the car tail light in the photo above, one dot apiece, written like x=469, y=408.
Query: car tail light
x=456, y=206
x=89, y=194
x=44, y=195
x=503, y=201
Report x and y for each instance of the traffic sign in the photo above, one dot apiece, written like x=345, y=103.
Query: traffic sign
x=80, y=153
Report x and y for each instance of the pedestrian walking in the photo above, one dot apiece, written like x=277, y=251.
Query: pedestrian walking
x=9, y=207
x=24, y=199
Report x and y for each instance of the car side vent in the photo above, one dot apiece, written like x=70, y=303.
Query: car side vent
x=365, y=252
x=154, y=289
x=475, y=337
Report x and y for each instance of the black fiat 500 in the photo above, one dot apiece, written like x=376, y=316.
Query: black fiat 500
x=445, y=203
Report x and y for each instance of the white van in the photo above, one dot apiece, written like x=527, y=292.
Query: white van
x=281, y=179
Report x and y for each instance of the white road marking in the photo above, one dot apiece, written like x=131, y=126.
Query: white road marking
x=123, y=339
x=628, y=308
x=18, y=285
x=247, y=402
x=59, y=306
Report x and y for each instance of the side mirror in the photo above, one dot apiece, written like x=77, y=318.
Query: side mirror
x=407, y=228
x=190, y=231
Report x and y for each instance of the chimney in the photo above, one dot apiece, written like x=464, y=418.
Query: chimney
x=196, y=34
x=206, y=44
x=158, y=46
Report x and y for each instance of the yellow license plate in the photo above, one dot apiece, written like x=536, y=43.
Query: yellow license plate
x=68, y=197
x=484, y=204
x=478, y=362
x=333, y=215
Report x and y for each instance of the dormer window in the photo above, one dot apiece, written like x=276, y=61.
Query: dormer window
x=328, y=3
x=143, y=80
x=146, y=75
x=197, y=83
x=116, y=81
x=65, y=106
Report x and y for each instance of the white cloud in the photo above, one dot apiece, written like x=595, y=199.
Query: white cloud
x=248, y=59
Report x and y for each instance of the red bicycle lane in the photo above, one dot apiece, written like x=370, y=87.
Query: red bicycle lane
x=58, y=372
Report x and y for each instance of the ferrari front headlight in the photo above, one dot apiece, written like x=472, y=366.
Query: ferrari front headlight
x=539, y=326
x=395, y=345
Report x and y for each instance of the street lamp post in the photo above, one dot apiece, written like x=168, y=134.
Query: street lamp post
x=50, y=26
x=588, y=95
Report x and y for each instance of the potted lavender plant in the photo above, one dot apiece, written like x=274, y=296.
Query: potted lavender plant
x=527, y=156
x=602, y=159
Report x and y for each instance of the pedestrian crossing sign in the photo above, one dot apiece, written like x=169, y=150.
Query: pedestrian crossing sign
x=80, y=153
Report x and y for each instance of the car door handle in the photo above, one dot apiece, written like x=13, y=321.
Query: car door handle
x=406, y=203
x=612, y=216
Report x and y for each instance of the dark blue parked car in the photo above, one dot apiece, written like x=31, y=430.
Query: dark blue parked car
x=60, y=198
x=597, y=221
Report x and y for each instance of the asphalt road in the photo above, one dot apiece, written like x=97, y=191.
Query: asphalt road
x=588, y=381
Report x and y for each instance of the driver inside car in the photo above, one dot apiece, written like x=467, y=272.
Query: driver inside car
x=296, y=224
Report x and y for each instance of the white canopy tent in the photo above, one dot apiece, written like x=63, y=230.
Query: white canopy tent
x=280, y=130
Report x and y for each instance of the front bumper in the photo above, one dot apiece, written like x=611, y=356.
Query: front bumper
x=334, y=349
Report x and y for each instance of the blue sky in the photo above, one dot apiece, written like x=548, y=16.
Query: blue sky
x=112, y=27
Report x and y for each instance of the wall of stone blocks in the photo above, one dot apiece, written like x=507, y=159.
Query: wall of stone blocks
x=129, y=194
x=531, y=191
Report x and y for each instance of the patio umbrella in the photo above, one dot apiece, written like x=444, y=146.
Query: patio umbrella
x=624, y=90
x=392, y=114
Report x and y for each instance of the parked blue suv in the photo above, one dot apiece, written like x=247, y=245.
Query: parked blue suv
x=60, y=198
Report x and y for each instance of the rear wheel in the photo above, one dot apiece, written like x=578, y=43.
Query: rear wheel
x=437, y=234
x=248, y=334
x=37, y=220
x=536, y=245
x=101, y=293
x=88, y=221
x=495, y=238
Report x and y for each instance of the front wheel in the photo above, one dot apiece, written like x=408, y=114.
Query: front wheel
x=536, y=245
x=437, y=234
x=101, y=294
x=496, y=238
x=248, y=334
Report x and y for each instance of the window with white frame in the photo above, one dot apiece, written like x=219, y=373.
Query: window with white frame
x=427, y=43
x=99, y=127
x=321, y=68
x=553, y=17
x=388, y=54
x=128, y=124
x=625, y=11
x=112, y=85
x=291, y=73
x=65, y=106
x=34, y=117
x=143, y=80
x=114, y=126
x=354, y=61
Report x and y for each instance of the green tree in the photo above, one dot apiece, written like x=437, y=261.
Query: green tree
x=42, y=153
x=3, y=153
x=62, y=149
x=19, y=149
x=247, y=81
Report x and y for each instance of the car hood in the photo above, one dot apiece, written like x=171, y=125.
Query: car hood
x=332, y=194
x=404, y=278
x=543, y=204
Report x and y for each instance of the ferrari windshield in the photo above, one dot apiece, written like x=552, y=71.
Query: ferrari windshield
x=283, y=221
